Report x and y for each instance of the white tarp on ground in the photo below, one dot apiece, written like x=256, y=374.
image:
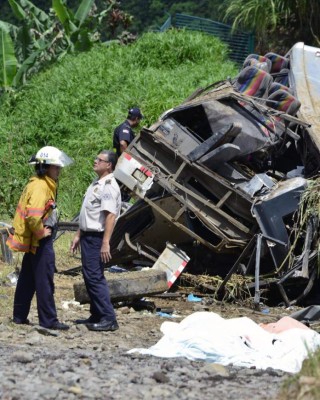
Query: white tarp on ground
x=239, y=341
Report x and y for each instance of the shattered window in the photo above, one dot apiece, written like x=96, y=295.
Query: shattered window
x=195, y=120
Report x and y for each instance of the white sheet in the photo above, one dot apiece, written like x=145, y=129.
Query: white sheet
x=238, y=341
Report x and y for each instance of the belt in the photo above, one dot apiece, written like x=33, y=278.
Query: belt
x=92, y=233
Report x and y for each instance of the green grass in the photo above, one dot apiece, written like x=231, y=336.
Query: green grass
x=76, y=104
x=304, y=385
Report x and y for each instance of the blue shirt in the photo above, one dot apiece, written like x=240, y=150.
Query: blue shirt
x=122, y=132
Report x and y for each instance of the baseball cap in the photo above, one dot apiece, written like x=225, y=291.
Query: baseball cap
x=135, y=112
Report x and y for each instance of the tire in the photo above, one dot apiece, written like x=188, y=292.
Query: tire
x=127, y=285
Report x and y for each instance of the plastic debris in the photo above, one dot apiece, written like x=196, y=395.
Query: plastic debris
x=13, y=278
x=70, y=304
x=193, y=298
x=116, y=269
x=166, y=315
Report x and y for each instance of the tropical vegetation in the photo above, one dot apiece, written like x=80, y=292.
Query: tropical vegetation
x=41, y=38
x=277, y=23
x=273, y=21
x=41, y=32
x=76, y=104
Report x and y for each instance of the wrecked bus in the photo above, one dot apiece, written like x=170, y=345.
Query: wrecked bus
x=222, y=175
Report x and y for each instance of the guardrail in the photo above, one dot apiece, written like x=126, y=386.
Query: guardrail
x=240, y=43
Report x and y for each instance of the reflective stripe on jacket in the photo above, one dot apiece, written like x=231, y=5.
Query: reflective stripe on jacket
x=33, y=209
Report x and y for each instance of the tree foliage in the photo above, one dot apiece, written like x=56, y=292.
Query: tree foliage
x=284, y=21
x=151, y=14
x=278, y=23
x=40, y=38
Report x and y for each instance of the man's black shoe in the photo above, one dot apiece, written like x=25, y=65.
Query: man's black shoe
x=59, y=326
x=104, y=326
x=90, y=320
x=20, y=321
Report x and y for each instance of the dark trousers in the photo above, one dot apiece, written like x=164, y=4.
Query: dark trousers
x=92, y=269
x=36, y=276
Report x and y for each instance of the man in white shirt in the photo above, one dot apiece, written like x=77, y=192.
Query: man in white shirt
x=99, y=213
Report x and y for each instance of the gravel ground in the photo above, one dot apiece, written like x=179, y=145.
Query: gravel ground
x=39, y=364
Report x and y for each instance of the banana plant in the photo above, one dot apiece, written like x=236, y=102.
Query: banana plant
x=77, y=37
x=81, y=28
x=27, y=38
x=42, y=38
x=8, y=61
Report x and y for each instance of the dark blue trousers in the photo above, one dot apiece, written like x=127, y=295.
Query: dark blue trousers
x=92, y=269
x=36, y=276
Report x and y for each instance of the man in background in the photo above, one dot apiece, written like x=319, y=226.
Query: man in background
x=123, y=135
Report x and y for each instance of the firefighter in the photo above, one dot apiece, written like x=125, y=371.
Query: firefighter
x=33, y=224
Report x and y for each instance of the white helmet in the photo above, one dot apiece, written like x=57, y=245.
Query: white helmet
x=50, y=155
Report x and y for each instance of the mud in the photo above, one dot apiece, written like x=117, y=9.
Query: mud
x=36, y=363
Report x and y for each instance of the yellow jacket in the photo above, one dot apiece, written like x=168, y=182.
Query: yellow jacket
x=33, y=209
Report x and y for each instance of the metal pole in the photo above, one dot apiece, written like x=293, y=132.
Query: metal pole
x=236, y=264
x=257, y=272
